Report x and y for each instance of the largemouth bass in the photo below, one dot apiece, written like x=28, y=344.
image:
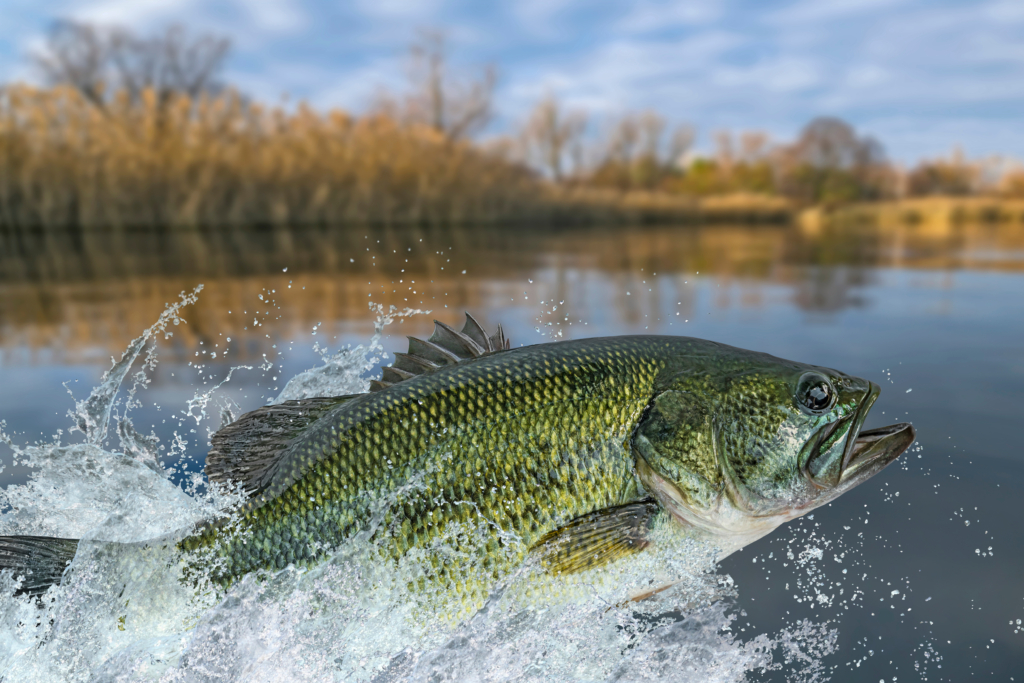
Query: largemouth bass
x=568, y=453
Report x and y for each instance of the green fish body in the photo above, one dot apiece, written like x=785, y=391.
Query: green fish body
x=570, y=452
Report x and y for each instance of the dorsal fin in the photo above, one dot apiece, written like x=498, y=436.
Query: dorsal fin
x=245, y=451
x=444, y=347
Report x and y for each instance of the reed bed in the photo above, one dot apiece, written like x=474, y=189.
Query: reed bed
x=932, y=215
x=65, y=162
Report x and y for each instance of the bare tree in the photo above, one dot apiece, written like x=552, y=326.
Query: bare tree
x=831, y=143
x=624, y=138
x=635, y=155
x=456, y=108
x=640, y=137
x=830, y=163
x=101, y=60
x=753, y=146
x=650, y=129
x=77, y=55
x=172, y=63
x=725, y=152
x=680, y=144
x=553, y=135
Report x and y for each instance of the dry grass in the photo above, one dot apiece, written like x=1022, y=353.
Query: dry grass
x=224, y=162
x=582, y=204
x=66, y=163
x=934, y=215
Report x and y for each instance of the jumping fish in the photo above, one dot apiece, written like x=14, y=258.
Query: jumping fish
x=569, y=452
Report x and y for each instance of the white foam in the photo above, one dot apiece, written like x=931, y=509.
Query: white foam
x=124, y=614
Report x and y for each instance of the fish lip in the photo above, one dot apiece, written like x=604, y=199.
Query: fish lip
x=874, y=449
x=858, y=422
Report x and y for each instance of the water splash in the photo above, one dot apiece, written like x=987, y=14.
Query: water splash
x=123, y=614
x=92, y=415
x=344, y=372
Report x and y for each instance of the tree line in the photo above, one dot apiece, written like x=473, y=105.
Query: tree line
x=137, y=130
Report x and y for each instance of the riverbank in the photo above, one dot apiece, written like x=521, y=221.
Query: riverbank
x=934, y=216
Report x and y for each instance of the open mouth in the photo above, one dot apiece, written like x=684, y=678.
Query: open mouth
x=873, y=449
x=867, y=452
x=870, y=450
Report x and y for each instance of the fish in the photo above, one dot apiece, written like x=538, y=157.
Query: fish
x=567, y=455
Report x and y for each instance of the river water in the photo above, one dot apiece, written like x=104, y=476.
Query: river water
x=915, y=575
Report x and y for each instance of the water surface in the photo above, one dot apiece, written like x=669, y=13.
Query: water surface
x=932, y=548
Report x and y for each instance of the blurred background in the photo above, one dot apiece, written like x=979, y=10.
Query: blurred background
x=831, y=181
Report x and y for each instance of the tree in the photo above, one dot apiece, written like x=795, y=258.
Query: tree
x=635, y=155
x=1012, y=183
x=99, y=61
x=680, y=144
x=753, y=146
x=77, y=55
x=553, y=136
x=829, y=163
x=941, y=178
x=455, y=108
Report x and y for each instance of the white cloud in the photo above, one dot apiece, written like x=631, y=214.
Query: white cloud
x=273, y=16
x=401, y=10
x=956, y=69
x=865, y=76
x=248, y=18
x=818, y=11
x=545, y=18
x=132, y=13
x=654, y=16
x=1010, y=11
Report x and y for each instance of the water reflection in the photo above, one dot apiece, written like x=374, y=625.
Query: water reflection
x=81, y=298
x=932, y=313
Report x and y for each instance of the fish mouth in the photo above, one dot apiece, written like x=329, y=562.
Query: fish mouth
x=873, y=450
x=867, y=451
x=858, y=422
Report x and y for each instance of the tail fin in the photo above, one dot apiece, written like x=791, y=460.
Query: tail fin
x=40, y=560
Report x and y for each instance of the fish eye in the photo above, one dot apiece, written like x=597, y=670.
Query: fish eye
x=814, y=393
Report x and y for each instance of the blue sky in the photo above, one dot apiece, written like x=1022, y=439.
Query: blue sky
x=922, y=76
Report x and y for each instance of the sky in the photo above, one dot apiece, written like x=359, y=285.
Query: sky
x=922, y=76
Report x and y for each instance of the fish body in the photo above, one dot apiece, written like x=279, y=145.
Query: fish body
x=571, y=452
x=523, y=441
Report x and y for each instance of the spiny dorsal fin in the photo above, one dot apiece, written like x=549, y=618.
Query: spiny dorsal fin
x=597, y=538
x=246, y=450
x=444, y=347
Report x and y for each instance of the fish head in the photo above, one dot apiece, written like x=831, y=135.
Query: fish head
x=740, y=452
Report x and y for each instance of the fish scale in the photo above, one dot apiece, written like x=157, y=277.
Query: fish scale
x=467, y=456
x=545, y=410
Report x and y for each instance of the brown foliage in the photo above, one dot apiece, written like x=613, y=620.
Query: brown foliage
x=552, y=138
x=220, y=160
x=831, y=164
x=1012, y=184
x=947, y=177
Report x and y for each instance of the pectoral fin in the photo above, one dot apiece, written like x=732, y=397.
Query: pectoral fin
x=597, y=538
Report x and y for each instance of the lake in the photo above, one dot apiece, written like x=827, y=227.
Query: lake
x=933, y=547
